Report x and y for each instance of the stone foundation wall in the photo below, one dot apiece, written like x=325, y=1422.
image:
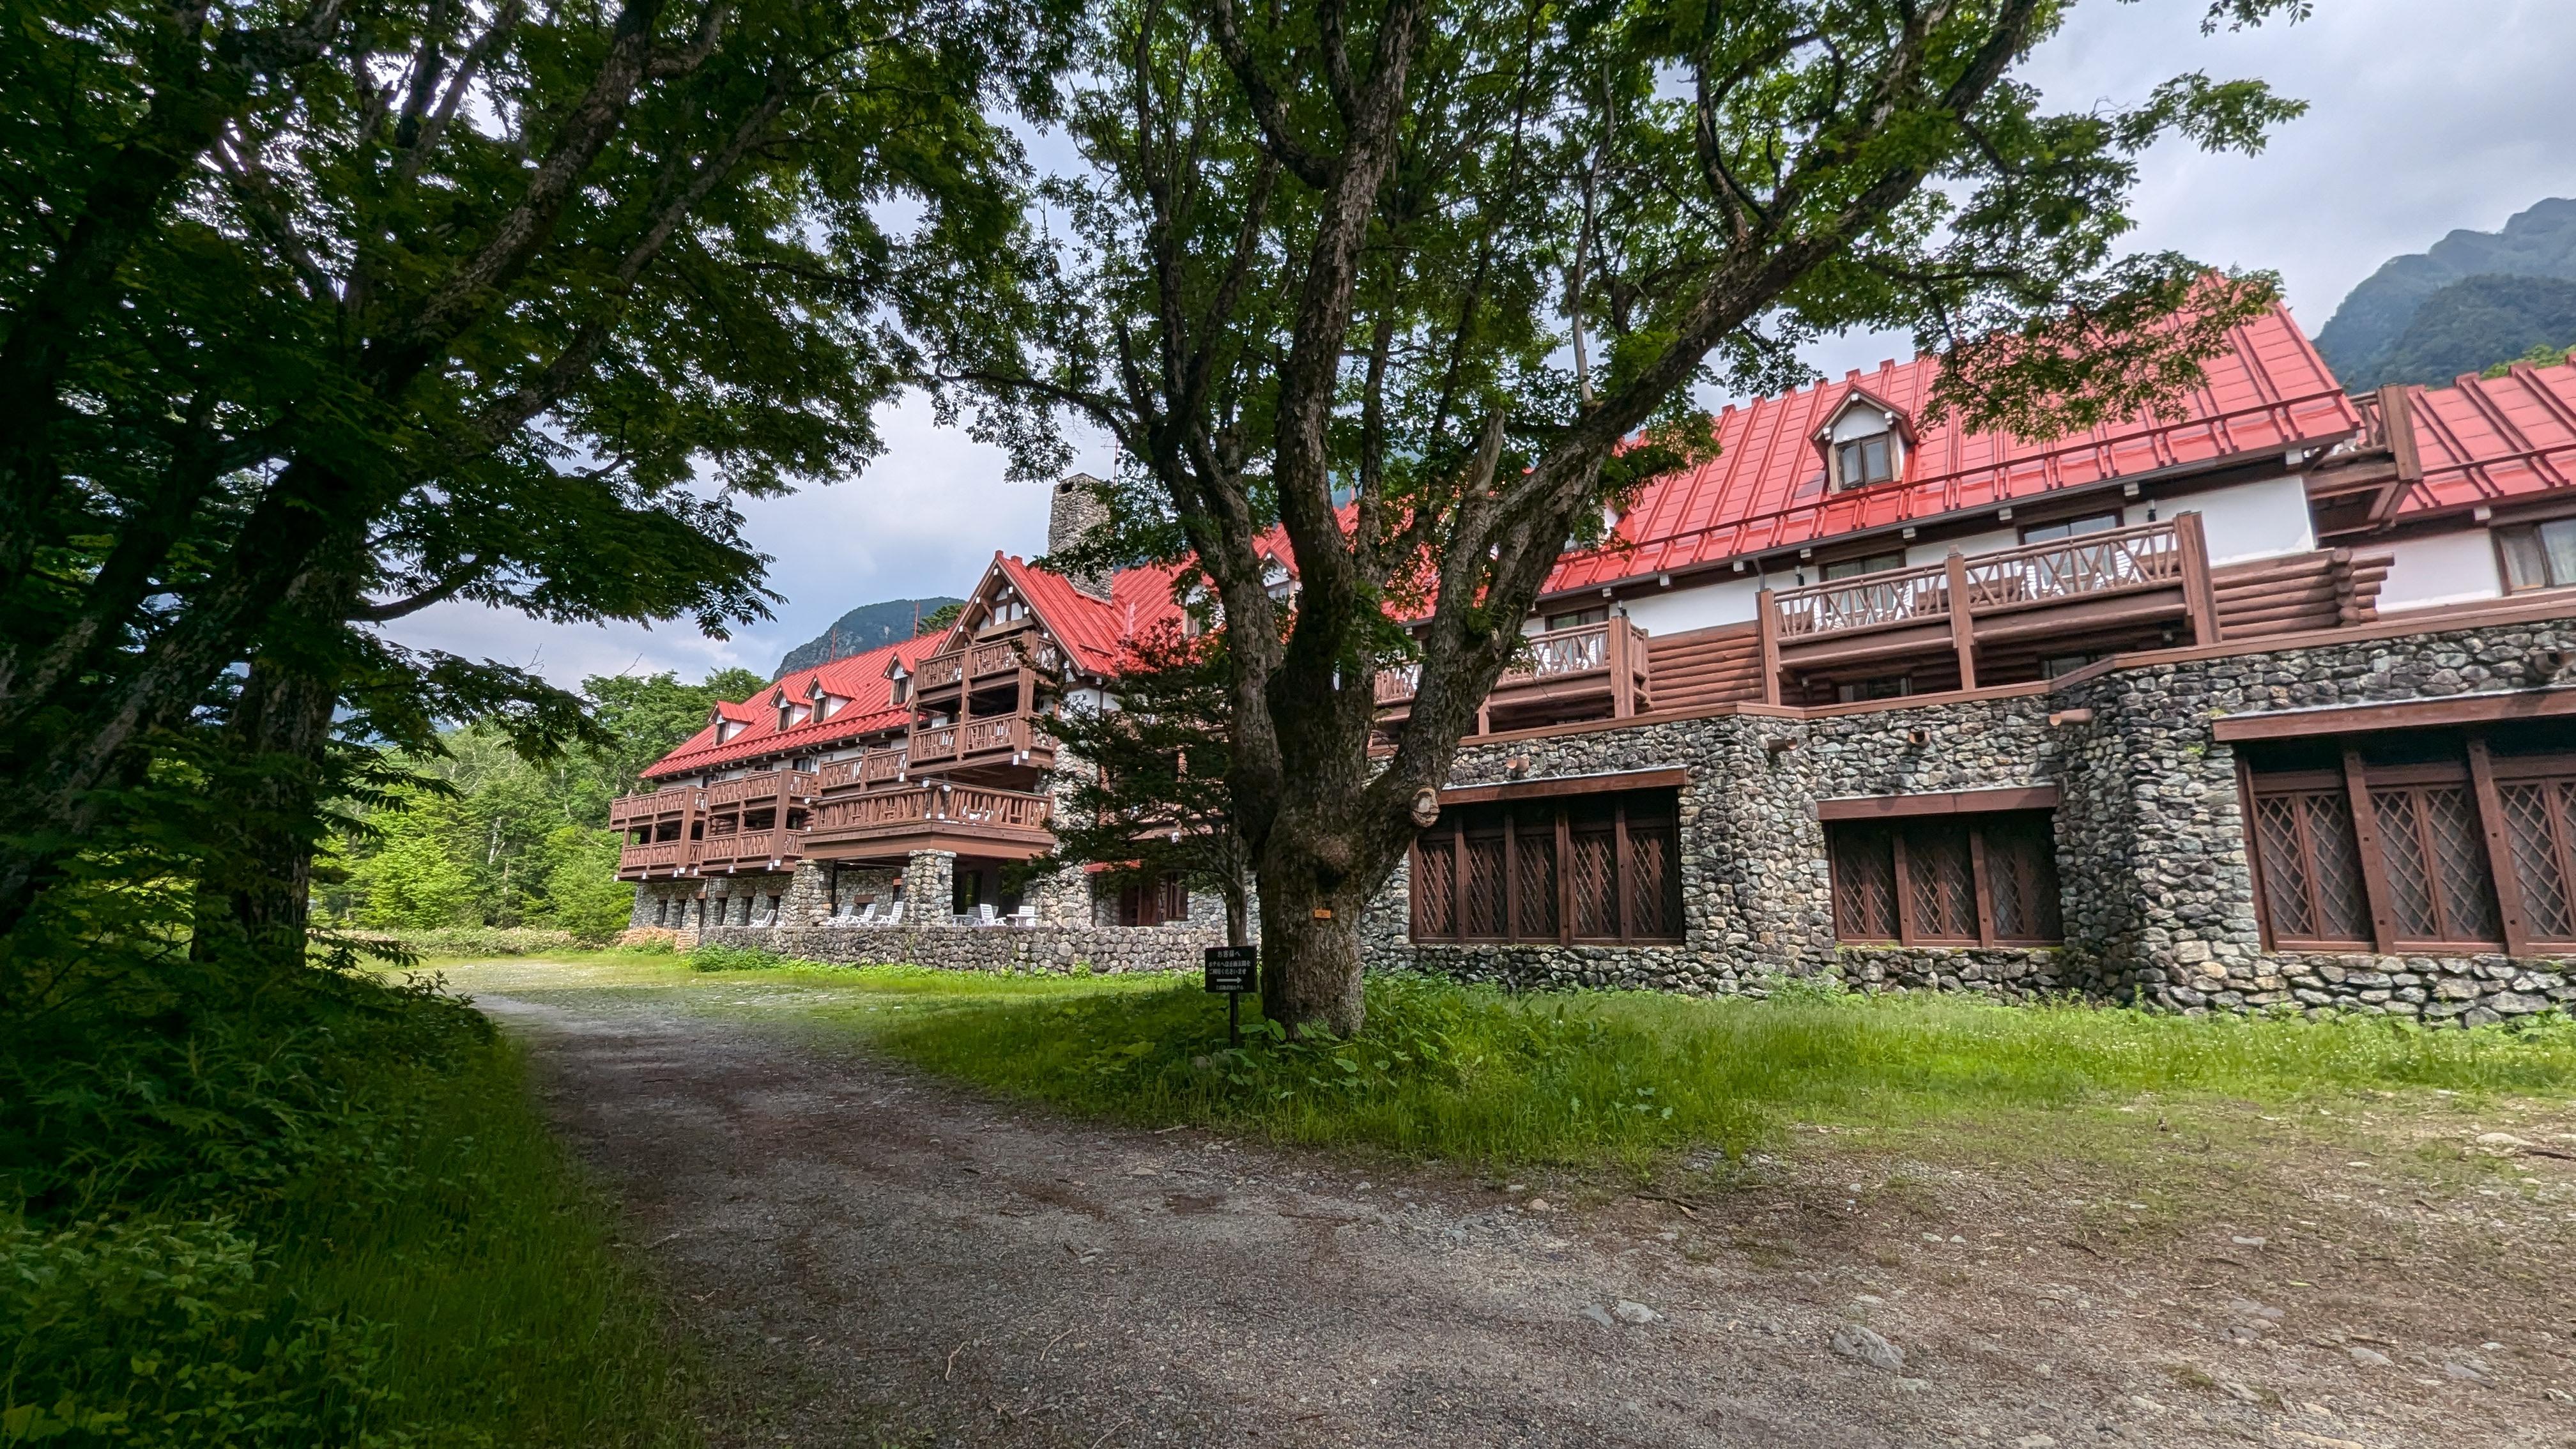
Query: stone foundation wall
x=2156, y=884
x=989, y=948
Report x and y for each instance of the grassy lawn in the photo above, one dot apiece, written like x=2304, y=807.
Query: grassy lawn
x=1627, y=1082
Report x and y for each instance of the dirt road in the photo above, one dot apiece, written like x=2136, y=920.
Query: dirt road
x=871, y=1257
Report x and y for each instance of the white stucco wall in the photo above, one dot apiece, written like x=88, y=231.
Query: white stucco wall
x=2444, y=568
x=2250, y=520
x=1725, y=599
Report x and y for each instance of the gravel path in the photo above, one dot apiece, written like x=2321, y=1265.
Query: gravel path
x=872, y=1257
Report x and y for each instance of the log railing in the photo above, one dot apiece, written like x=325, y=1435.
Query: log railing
x=626, y=809
x=1553, y=655
x=768, y=784
x=1013, y=734
x=666, y=856
x=875, y=767
x=2095, y=565
x=751, y=847
x=893, y=811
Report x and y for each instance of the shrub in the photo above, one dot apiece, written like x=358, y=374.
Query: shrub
x=476, y=941
x=713, y=956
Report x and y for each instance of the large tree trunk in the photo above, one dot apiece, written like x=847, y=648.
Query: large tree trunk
x=255, y=903
x=1310, y=962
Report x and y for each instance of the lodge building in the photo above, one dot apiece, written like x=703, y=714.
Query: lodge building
x=2264, y=700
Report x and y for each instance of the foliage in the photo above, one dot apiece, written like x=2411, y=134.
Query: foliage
x=495, y=839
x=1152, y=798
x=470, y=941
x=1422, y=289
x=939, y=620
x=313, y=1210
x=315, y=316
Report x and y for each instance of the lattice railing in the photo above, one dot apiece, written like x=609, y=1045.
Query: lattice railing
x=2097, y=563
x=1897, y=596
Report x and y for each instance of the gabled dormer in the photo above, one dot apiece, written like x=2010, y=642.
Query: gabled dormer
x=898, y=682
x=1864, y=442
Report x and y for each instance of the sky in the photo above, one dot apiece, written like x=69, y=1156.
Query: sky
x=2426, y=116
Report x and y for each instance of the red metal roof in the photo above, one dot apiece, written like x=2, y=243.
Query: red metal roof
x=1093, y=630
x=859, y=678
x=2486, y=440
x=2267, y=392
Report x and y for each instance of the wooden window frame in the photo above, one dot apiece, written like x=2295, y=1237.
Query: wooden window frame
x=1480, y=817
x=2504, y=570
x=1901, y=827
x=2481, y=776
x=2118, y=516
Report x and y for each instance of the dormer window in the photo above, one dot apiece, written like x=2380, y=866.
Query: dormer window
x=902, y=687
x=1277, y=582
x=1864, y=444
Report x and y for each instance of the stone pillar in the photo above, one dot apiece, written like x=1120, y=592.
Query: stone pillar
x=929, y=887
x=809, y=896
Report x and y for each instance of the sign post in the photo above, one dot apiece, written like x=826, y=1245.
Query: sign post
x=1232, y=970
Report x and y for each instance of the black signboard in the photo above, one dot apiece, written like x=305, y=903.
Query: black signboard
x=1231, y=968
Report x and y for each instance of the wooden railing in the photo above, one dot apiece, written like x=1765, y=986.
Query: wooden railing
x=1552, y=655
x=875, y=767
x=666, y=856
x=939, y=671
x=988, y=658
x=670, y=798
x=768, y=784
x=2092, y=566
x=933, y=744
x=751, y=847
x=1009, y=734
x=889, y=812
x=2098, y=563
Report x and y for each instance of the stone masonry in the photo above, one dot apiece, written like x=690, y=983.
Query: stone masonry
x=2156, y=883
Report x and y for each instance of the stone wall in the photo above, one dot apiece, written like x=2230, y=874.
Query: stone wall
x=989, y=948
x=2156, y=885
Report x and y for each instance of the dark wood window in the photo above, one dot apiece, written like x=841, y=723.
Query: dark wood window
x=1598, y=613
x=2064, y=528
x=2538, y=556
x=1884, y=686
x=1580, y=868
x=1852, y=568
x=1946, y=880
x=1152, y=902
x=1864, y=461
x=2427, y=841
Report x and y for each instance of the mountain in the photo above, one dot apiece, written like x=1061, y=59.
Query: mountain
x=860, y=630
x=2358, y=339
x=2471, y=325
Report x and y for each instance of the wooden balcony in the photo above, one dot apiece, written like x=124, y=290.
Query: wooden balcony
x=779, y=786
x=1004, y=654
x=671, y=802
x=749, y=850
x=1012, y=739
x=969, y=819
x=873, y=770
x=662, y=858
x=1593, y=670
x=2068, y=595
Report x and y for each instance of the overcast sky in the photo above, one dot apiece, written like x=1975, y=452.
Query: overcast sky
x=2425, y=116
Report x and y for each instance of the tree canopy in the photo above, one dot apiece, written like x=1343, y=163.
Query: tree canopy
x=1459, y=265
x=314, y=313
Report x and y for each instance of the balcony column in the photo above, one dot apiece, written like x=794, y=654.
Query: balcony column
x=1963, y=621
x=1766, y=627
x=2199, y=598
x=929, y=887
x=808, y=898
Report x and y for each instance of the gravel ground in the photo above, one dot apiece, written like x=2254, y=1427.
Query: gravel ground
x=867, y=1256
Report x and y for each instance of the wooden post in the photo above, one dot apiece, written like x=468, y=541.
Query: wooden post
x=1984, y=892
x=1622, y=702
x=2199, y=598
x=2508, y=885
x=1963, y=623
x=2374, y=865
x=1766, y=622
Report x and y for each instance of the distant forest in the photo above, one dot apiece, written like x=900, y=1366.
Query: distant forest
x=2468, y=302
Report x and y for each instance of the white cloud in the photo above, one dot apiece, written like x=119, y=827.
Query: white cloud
x=2424, y=118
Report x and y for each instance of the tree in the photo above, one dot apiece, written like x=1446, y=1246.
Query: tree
x=317, y=312
x=1151, y=799
x=1461, y=263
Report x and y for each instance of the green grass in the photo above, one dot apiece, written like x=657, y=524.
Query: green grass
x=1627, y=1078
x=314, y=1217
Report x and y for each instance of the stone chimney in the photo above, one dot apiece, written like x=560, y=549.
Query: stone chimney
x=1078, y=508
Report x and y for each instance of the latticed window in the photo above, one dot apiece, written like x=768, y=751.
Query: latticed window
x=2422, y=841
x=1593, y=867
x=1949, y=880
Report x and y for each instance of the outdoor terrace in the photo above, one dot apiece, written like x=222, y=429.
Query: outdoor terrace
x=1022, y=646
x=1011, y=739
